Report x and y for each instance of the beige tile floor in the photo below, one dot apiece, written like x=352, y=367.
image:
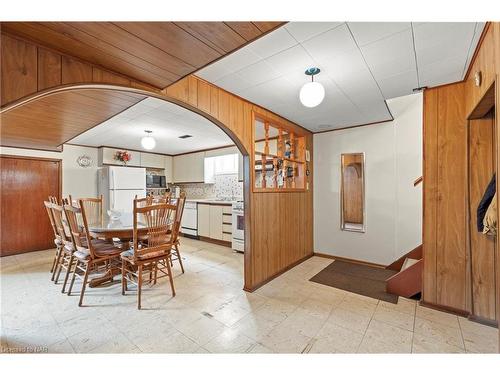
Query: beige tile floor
x=212, y=314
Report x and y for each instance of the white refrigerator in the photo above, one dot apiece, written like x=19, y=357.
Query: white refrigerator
x=120, y=185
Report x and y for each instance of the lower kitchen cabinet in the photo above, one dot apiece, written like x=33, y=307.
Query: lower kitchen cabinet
x=203, y=220
x=214, y=221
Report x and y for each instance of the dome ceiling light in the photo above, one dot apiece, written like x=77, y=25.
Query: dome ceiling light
x=148, y=142
x=312, y=93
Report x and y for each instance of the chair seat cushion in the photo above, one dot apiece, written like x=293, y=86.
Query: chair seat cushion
x=129, y=255
x=58, y=241
x=81, y=255
x=104, y=249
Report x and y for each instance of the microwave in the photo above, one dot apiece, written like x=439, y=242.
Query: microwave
x=153, y=181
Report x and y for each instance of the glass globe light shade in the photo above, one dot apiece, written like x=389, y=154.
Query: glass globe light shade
x=148, y=142
x=312, y=94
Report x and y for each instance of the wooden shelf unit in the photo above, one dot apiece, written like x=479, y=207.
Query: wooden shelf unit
x=282, y=170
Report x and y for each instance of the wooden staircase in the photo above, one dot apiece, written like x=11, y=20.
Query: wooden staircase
x=408, y=281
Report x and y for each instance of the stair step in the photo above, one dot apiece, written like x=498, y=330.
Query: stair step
x=408, y=262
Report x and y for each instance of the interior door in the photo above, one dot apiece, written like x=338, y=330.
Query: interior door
x=25, y=183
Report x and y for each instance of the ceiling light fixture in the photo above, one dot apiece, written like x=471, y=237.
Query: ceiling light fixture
x=148, y=142
x=312, y=93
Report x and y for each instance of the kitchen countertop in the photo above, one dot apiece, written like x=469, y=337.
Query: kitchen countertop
x=211, y=201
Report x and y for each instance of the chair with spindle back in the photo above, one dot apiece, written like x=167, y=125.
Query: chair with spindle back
x=90, y=253
x=57, y=238
x=152, y=245
x=93, y=208
x=175, y=253
x=66, y=259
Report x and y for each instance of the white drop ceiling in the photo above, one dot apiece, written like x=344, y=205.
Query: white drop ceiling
x=362, y=65
x=167, y=121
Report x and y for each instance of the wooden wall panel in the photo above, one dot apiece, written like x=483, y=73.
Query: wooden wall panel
x=430, y=195
x=49, y=69
x=19, y=69
x=451, y=224
x=482, y=247
x=445, y=172
x=74, y=71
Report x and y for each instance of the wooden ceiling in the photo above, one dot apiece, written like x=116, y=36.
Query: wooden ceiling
x=157, y=53
x=50, y=121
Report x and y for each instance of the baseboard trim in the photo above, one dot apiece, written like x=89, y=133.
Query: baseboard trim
x=349, y=260
x=447, y=309
x=217, y=242
x=287, y=268
x=486, y=322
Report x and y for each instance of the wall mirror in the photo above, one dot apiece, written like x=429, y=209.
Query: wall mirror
x=352, y=192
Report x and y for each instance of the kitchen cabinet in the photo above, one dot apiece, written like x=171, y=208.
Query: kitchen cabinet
x=189, y=167
x=216, y=222
x=169, y=169
x=149, y=160
x=203, y=220
x=106, y=155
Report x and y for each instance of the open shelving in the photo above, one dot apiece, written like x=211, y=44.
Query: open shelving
x=278, y=158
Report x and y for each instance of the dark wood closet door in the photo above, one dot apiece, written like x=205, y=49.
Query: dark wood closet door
x=24, y=184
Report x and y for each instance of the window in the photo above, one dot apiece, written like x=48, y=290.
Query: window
x=217, y=165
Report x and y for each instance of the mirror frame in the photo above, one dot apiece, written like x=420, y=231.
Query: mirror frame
x=342, y=223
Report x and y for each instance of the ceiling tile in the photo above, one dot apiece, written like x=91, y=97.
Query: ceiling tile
x=234, y=83
x=399, y=85
x=326, y=46
x=435, y=41
x=272, y=43
x=303, y=31
x=369, y=32
x=390, y=56
x=281, y=61
x=258, y=73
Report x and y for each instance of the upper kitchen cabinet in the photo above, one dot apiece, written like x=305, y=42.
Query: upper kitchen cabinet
x=189, y=167
x=169, y=168
x=106, y=155
x=149, y=160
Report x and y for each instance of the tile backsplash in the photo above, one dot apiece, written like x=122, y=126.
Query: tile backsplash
x=226, y=185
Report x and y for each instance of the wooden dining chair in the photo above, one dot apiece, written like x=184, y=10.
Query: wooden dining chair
x=65, y=260
x=93, y=208
x=90, y=253
x=57, y=238
x=152, y=246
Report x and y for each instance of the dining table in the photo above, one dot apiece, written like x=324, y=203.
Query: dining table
x=112, y=227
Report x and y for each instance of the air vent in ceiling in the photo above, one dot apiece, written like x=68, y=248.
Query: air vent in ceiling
x=185, y=136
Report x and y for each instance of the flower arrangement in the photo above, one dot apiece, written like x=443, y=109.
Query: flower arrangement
x=123, y=156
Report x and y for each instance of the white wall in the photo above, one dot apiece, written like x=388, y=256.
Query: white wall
x=77, y=181
x=393, y=152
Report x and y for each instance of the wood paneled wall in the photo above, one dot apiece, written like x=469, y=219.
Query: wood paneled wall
x=28, y=68
x=482, y=247
x=445, y=173
x=279, y=225
x=456, y=276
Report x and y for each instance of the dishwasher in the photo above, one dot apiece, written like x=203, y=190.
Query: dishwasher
x=189, y=222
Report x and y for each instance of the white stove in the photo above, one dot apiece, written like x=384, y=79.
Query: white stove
x=238, y=227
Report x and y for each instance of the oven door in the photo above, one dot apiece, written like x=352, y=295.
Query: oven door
x=238, y=225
